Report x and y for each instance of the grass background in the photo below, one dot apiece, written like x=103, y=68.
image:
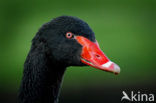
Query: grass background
x=125, y=30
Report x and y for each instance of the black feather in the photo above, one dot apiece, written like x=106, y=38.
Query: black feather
x=51, y=52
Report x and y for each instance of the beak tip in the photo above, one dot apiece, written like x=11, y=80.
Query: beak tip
x=116, y=69
x=111, y=67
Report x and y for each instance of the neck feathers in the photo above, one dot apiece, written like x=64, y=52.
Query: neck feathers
x=41, y=78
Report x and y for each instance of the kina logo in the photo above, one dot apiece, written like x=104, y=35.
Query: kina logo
x=138, y=96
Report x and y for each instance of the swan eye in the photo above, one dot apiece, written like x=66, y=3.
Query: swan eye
x=69, y=35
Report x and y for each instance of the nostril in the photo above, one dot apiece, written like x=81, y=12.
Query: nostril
x=98, y=56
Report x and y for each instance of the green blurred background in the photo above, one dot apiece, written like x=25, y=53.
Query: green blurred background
x=125, y=30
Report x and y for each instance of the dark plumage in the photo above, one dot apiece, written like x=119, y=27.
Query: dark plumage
x=51, y=52
x=48, y=58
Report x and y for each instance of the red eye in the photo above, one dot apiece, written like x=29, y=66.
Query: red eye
x=69, y=35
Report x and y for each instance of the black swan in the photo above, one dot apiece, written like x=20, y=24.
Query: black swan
x=65, y=41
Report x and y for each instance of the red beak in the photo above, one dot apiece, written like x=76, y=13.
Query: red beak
x=93, y=56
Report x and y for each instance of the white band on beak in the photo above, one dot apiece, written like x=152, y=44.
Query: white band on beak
x=108, y=64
